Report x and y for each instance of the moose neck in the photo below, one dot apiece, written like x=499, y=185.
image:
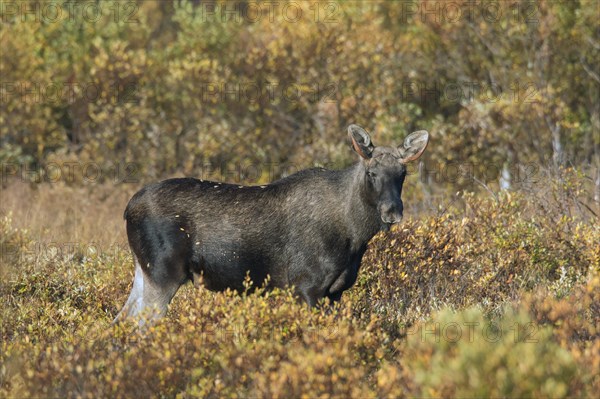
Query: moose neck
x=361, y=212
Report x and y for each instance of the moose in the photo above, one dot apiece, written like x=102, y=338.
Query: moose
x=308, y=230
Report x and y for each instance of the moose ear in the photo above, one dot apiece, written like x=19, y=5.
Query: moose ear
x=413, y=146
x=361, y=141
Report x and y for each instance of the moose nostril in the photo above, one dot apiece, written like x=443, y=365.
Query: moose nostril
x=390, y=215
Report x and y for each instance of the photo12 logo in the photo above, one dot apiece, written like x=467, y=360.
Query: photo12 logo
x=71, y=171
x=67, y=92
x=464, y=92
x=248, y=331
x=488, y=11
x=456, y=171
x=69, y=11
x=272, y=93
x=43, y=252
x=491, y=332
x=250, y=12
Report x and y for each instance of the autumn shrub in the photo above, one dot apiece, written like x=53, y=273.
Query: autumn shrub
x=57, y=309
x=214, y=345
x=467, y=355
x=488, y=253
x=13, y=242
x=574, y=320
x=174, y=85
x=540, y=346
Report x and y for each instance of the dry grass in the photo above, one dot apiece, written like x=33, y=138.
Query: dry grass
x=62, y=213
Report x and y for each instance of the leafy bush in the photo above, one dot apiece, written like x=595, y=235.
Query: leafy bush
x=487, y=253
x=174, y=89
x=467, y=355
x=57, y=337
x=13, y=242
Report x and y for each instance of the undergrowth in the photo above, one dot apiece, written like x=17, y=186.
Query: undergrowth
x=493, y=298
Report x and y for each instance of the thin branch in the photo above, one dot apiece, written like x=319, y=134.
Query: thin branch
x=592, y=74
x=489, y=190
x=594, y=44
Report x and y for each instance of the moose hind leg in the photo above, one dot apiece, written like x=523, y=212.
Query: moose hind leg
x=147, y=298
x=134, y=304
x=156, y=299
x=163, y=278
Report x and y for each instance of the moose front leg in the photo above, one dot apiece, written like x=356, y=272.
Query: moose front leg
x=344, y=281
x=310, y=294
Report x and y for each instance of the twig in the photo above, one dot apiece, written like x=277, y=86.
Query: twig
x=489, y=190
x=592, y=74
